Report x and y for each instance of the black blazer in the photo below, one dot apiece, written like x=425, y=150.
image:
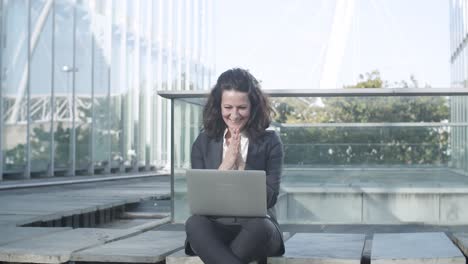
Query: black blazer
x=264, y=153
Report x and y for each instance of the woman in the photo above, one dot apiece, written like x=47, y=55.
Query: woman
x=234, y=138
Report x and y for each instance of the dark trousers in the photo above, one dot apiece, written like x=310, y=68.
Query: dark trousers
x=243, y=241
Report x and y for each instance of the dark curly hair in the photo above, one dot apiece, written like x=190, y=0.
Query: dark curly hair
x=238, y=80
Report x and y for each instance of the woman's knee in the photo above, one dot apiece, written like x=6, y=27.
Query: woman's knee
x=262, y=226
x=194, y=222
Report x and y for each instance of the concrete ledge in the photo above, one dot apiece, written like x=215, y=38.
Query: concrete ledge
x=414, y=248
x=179, y=257
x=149, y=247
x=58, y=247
x=14, y=234
x=324, y=248
x=461, y=240
x=53, y=181
x=365, y=205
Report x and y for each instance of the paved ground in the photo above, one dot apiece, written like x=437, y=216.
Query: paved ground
x=153, y=197
x=20, y=205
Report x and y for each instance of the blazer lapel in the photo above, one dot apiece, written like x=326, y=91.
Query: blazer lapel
x=216, y=153
x=251, y=153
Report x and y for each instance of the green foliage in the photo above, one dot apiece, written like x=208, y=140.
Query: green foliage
x=364, y=131
x=369, y=80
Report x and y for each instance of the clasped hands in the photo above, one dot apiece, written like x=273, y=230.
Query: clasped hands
x=233, y=158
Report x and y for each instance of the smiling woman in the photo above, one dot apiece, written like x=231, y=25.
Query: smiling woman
x=235, y=119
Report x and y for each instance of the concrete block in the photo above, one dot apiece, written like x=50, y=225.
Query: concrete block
x=324, y=207
x=414, y=248
x=179, y=257
x=181, y=204
x=148, y=247
x=281, y=208
x=453, y=209
x=396, y=208
x=322, y=248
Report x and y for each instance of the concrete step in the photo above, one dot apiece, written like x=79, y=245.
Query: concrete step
x=179, y=257
x=58, y=247
x=322, y=248
x=414, y=248
x=14, y=234
x=372, y=205
x=345, y=204
x=149, y=247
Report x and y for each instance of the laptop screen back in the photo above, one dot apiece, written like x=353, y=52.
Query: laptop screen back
x=227, y=193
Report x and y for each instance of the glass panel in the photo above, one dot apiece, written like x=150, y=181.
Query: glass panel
x=349, y=143
x=368, y=131
x=183, y=143
x=101, y=85
x=40, y=85
x=129, y=122
x=142, y=106
x=63, y=77
x=117, y=87
x=83, y=86
x=14, y=77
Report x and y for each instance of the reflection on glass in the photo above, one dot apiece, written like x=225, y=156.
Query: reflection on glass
x=14, y=77
x=40, y=86
x=183, y=139
x=83, y=87
x=63, y=78
x=102, y=120
x=106, y=70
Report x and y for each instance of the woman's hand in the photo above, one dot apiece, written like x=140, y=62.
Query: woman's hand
x=233, y=151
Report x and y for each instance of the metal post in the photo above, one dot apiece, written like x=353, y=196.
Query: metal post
x=123, y=83
x=72, y=158
x=93, y=119
x=2, y=39
x=136, y=90
x=51, y=170
x=27, y=171
x=149, y=83
x=172, y=162
x=108, y=46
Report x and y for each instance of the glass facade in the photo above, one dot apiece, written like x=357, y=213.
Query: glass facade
x=79, y=80
x=459, y=79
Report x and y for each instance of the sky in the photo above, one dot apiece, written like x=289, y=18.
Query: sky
x=286, y=44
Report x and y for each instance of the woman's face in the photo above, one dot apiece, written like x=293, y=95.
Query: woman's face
x=235, y=109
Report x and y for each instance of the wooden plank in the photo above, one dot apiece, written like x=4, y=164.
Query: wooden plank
x=322, y=248
x=414, y=248
x=58, y=247
x=149, y=247
x=14, y=234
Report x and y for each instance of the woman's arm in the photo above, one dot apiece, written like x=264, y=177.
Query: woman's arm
x=197, y=154
x=274, y=166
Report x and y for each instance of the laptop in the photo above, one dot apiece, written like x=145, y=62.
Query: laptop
x=227, y=193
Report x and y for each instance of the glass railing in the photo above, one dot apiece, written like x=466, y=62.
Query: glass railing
x=399, y=138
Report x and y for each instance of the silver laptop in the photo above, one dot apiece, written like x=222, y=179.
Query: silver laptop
x=227, y=193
